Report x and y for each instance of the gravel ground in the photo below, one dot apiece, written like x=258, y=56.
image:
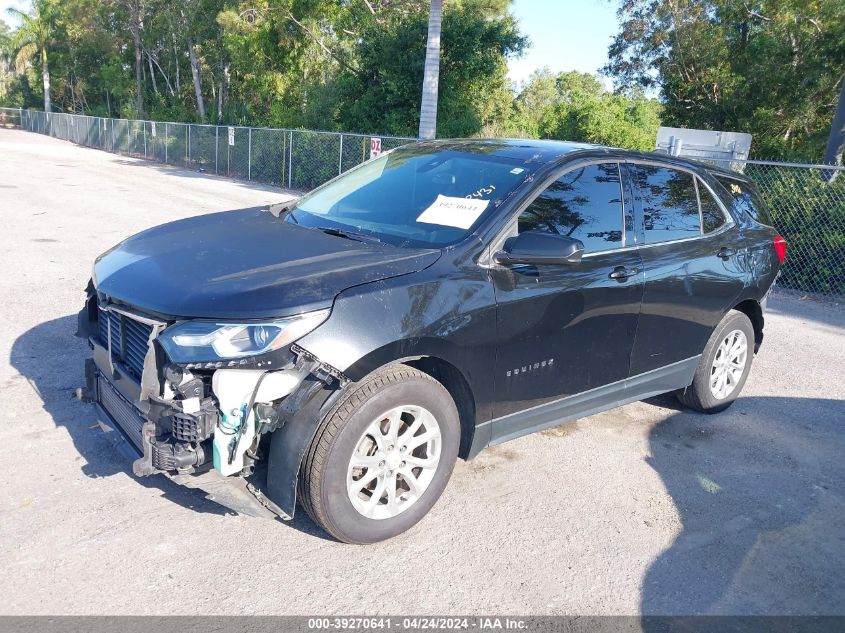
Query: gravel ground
x=643, y=509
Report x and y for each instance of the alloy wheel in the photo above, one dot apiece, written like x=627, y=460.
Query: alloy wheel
x=394, y=462
x=728, y=364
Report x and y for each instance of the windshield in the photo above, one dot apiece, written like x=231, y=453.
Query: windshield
x=415, y=196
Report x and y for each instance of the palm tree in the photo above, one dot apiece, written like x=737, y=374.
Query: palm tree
x=431, y=77
x=33, y=37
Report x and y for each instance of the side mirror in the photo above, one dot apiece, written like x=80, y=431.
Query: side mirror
x=534, y=247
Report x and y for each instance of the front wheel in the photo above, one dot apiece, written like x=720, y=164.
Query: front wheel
x=382, y=457
x=724, y=366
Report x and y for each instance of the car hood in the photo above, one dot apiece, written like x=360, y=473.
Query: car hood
x=243, y=265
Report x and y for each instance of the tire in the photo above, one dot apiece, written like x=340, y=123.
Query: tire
x=706, y=394
x=396, y=405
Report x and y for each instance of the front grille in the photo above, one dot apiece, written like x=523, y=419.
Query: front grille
x=129, y=339
x=121, y=411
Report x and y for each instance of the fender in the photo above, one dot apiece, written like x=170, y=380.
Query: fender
x=447, y=311
x=451, y=320
x=303, y=411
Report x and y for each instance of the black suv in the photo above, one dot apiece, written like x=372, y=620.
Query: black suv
x=345, y=349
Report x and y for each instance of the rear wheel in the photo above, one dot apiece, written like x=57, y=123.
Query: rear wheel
x=724, y=366
x=382, y=457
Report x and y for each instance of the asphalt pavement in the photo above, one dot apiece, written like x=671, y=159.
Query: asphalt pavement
x=648, y=508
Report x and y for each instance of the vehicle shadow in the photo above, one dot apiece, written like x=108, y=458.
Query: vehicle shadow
x=758, y=494
x=51, y=359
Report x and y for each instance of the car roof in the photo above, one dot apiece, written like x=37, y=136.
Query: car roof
x=527, y=150
x=547, y=151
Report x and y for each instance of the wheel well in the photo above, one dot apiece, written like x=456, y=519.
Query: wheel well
x=450, y=377
x=751, y=308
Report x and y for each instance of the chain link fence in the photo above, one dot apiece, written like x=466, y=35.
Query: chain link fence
x=807, y=209
x=807, y=206
x=293, y=159
x=10, y=117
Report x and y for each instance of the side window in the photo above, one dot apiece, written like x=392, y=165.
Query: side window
x=585, y=203
x=712, y=216
x=746, y=199
x=669, y=202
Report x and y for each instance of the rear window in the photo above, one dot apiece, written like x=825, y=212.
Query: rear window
x=669, y=202
x=712, y=216
x=746, y=199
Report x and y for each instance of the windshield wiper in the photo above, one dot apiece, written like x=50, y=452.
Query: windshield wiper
x=349, y=235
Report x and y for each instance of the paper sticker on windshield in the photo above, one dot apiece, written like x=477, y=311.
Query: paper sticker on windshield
x=517, y=170
x=458, y=212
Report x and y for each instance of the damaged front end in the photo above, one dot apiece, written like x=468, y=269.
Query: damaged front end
x=199, y=400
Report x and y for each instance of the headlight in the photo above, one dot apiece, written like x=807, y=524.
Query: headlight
x=206, y=341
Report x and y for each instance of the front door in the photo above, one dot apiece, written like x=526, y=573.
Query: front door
x=568, y=329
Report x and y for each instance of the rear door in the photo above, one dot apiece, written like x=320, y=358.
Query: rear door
x=694, y=261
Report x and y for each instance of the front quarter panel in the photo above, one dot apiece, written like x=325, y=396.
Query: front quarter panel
x=446, y=311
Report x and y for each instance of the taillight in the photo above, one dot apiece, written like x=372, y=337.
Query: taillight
x=780, y=248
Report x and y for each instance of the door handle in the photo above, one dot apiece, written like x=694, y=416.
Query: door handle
x=726, y=253
x=620, y=273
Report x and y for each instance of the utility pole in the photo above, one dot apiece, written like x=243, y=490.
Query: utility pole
x=431, y=78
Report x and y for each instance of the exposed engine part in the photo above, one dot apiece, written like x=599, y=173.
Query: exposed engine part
x=180, y=381
x=268, y=417
x=193, y=424
x=194, y=427
x=174, y=374
x=176, y=440
x=237, y=391
x=143, y=466
x=193, y=388
x=170, y=455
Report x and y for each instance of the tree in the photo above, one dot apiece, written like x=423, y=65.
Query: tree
x=768, y=67
x=384, y=95
x=431, y=73
x=836, y=141
x=33, y=38
x=5, y=61
x=136, y=24
x=353, y=65
x=577, y=107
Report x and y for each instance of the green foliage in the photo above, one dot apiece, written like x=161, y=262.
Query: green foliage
x=12, y=85
x=382, y=92
x=576, y=107
x=319, y=64
x=809, y=213
x=768, y=67
x=322, y=64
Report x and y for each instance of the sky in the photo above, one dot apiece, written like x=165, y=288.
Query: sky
x=565, y=35
x=23, y=5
